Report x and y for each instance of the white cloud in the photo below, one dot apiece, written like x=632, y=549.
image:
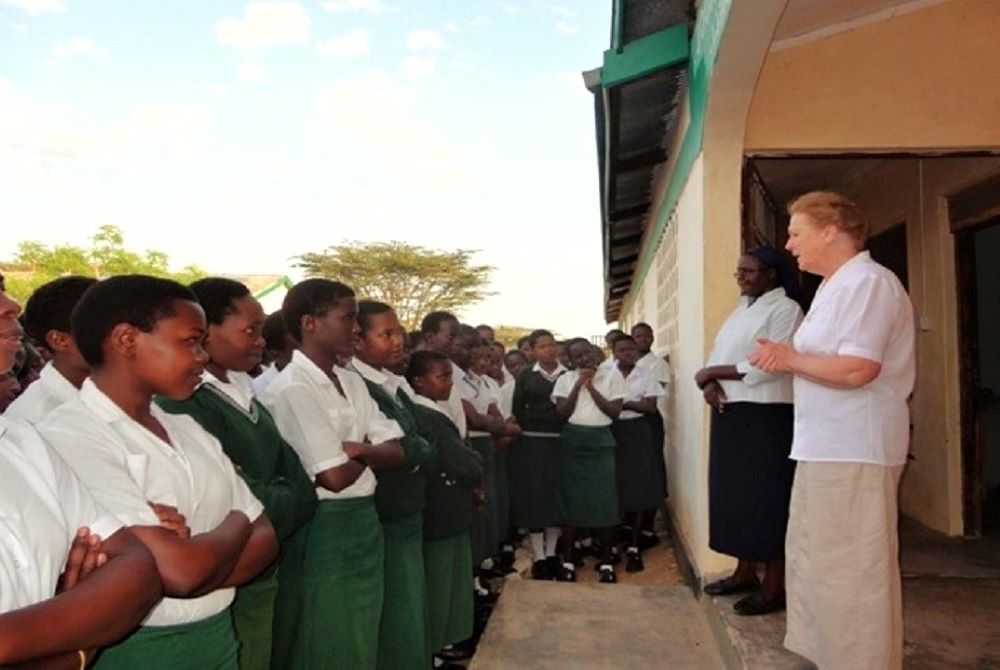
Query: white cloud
x=509, y=9
x=352, y=45
x=451, y=27
x=266, y=24
x=563, y=27
x=252, y=73
x=371, y=6
x=76, y=47
x=20, y=29
x=480, y=22
x=422, y=39
x=36, y=6
x=418, y=67
x=562, y=10
x=378, y=112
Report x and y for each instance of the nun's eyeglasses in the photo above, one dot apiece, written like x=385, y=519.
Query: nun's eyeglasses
x=746, y=272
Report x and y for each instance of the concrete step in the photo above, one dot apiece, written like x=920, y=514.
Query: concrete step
x=541, y=624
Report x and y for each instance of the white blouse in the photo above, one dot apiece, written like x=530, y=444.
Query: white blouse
x=608, y=382
x=638, y=385
x=126, y=467
x=48, y=392
x=316, y=419
x=773, y=316
x=42, y=504
x=476, y=390
x=862, y=310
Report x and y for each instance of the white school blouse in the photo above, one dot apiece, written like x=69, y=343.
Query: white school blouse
x=476, y=390
x=239, y=388
x=656, y=367
x=774, y=316
x=453, y=405
x=861, y=310
x=42, y=505
x=316, y=419
x=387, y=379
x=49, y=391
x=126, y=467
x=638, y=385
x=608, y=382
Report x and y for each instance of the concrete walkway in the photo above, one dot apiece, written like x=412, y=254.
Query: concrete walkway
x=545, y=625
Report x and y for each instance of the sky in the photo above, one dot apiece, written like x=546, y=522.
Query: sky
x=237, y=135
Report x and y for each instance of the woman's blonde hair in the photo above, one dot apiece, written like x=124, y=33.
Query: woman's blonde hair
x=829, y=208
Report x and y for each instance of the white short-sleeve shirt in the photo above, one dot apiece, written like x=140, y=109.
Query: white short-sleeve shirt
x=478, y=392
x=453, y=405
x=773, y=316
x=656, y=367
x=861, y=310
x=639, y=384
x=316, y=419
x=608, y=382
x=126, y=467
x=42, y=505
x=48, y=392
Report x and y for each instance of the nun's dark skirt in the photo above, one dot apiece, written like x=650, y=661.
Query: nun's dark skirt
x=750, y=480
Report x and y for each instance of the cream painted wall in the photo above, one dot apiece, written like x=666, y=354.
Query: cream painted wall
x=931, y=490
x=924, y=80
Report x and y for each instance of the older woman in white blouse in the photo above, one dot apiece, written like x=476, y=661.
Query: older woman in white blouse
x=853, y=365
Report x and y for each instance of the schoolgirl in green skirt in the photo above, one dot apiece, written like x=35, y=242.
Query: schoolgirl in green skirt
x=326, y=413
x=225, y=406
x=590, y=400
x=400, y=496
x=453, y=490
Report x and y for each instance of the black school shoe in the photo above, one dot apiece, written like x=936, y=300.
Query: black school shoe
x=606, y=574
x=566, y=573
x=540, y=570
x=506, y=558
x=633, y=560
x=555, y=565
x=458, y=651
x=648, y=540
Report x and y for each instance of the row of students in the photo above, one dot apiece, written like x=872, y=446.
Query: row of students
x=390, y=476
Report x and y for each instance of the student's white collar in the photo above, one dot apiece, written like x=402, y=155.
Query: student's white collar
x=560, y=368
x=424, y=401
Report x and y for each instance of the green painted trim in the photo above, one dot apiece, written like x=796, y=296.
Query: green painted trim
x=285, y=282
x=617, y=25
x=711, y=23
x=644, y=56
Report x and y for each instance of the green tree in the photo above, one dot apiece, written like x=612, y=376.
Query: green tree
x=36, y=263
x=413, y=279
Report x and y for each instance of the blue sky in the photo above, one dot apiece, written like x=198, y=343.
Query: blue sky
x=236, y=134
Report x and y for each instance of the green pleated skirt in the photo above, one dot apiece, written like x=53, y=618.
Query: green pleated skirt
x=209, y=644
x=403, y=632
x=339, y=590
x=253, y=616
x=533, y=468
x=484, y=529
x=637, y=474
x=588, y=493
x=448, y=570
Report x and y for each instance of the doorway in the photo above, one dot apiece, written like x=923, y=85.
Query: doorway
x=978, y=257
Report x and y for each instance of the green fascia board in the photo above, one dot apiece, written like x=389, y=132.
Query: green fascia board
x=644, y=56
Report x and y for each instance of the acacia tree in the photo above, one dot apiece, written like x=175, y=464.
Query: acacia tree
x=413, y=279
x=35, y=263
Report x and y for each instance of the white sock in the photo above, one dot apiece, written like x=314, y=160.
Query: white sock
x=537, y=545
x=586, y=542
x=551, y=537
x=487, y=564
x=477, y=586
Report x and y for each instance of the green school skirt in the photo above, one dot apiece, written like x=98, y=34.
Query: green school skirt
x=288, y=602
x=588, y=493
x=402, y=641
x=448, y=570
x=341, y=590
x=502, y=477
x=484, y=528
x=253, y=615
x=533, y=469
x=210, y=644
x=636, y=471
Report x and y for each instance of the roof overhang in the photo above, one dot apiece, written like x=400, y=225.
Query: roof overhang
x=637, y=94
